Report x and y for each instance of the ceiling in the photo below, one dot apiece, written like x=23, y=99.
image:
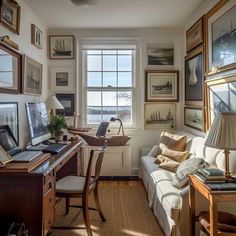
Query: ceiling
x=114, y=13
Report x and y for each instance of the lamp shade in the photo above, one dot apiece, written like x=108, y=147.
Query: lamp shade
x=222, y=134
x=53, y=103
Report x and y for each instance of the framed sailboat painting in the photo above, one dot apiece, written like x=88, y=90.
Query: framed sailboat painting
x=194, y=77
x=61, y=47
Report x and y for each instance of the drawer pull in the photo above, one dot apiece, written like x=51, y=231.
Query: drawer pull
x=50, y=200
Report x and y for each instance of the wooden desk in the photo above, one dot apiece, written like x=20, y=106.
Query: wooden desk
x=214, y=197
x=27, y=190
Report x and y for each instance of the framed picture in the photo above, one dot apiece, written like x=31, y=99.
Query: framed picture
x=36, y=36
x=221, y=37
x=10, y=15
x=194, y=118
x=221, y=96
x=160, y=116
x=9, y=116
x=61, y=79
x=68, y=102
x=160, y=55
x=195, y=35
x=161, y=85
x=33, y=77
x=10, y=70
x=194, y=77
x=61, y=47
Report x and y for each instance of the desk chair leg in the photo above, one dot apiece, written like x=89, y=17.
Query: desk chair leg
x=86, y=215
x=67, y=205
x=96, y=197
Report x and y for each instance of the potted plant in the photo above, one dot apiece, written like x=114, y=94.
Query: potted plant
x=57, y=123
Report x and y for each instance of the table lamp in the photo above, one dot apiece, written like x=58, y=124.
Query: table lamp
x=222, y=135
x=113, y=119
x=52, y=103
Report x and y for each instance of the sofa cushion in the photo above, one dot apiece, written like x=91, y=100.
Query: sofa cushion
x=148, y=163
x=175, y=155
x=167, y=163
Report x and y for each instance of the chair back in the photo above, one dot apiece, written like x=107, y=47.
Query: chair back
x=91, y=181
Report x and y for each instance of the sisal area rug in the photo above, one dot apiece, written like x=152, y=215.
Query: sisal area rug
x=125, y=207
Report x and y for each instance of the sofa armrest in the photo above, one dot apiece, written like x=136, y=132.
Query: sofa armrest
x=145, y=151
x=184, y=192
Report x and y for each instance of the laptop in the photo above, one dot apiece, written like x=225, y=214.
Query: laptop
x=9, y=144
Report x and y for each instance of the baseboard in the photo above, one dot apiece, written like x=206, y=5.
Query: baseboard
x=133, y=178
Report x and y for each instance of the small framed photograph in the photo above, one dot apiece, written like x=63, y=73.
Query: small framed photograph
x=61, y=47
x=194, y=118
x=36, y=36
x=160, y=56
x=195, y=35
x=194, y=77
x=161, y=85
x=32, y=77
x=160, y=116
x=62, y=79
x=10, y=15
x=68, y=102
x=9, y=116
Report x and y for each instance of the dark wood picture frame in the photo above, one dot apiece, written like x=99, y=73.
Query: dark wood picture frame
x=9, y=13
x=17, y=79
x=36, y=36
x=66, y=97
x=168, y=80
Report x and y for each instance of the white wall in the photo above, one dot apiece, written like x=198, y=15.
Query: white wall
x=40, y=55
x=140, y=137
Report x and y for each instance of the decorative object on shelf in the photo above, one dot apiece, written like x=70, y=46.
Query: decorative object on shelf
x=52, y=103
x=221, y=97
x=222, y=135
x=194, y=77
x=36, y=36
x=33, y=77
x=195, y=35
x=160, y=55
x=68, y=102
x=160, y=115
x=61, y=47
x=57, y=123
x=11, y=72
x=194, y=118
x=9, y=116
x=220, y=37
x=10, y=15
x=161, y=85
x=121, y=128
x=8, y=42
x=62, y=79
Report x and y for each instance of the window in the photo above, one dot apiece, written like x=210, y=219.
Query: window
x=109, y=85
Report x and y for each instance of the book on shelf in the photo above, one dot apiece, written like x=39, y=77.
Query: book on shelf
x=222, y=186
x=205, y=180
x=211, y=177
x=213, y=171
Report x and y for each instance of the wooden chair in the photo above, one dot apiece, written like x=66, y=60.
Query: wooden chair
x=80, y=187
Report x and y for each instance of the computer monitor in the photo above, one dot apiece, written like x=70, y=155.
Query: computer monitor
x=38, y=122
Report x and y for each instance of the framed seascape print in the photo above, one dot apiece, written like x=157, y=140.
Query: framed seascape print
x=10, y=70
x=36, y=36
x=221, y=37
x=161, y=85
x=9, y=116
x=160, y=116
x=32, y=77
x=68, y=102
x=61, y=79
x=194, y=78
x=195, y=35
x=160, y=55
x=61, y=47
x=10, y=15
x=221, y=96
x=194, y=118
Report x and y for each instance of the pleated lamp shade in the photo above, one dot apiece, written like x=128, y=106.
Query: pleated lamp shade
x=222, y=134
x=53, y=103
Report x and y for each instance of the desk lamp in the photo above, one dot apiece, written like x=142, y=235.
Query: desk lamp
x=222, y=135
x=113, y=119
x=52, y=103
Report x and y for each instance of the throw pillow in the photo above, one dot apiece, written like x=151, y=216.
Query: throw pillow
x=186, y=168
x=167, y=163
x=153, y=152
x=175, y=155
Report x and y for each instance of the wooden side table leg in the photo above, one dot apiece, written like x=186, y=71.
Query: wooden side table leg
x=192, y=209
x=213, y=217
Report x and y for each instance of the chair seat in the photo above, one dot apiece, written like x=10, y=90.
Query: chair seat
x=70, y=184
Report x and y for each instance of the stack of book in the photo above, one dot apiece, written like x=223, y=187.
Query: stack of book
x=210, y=175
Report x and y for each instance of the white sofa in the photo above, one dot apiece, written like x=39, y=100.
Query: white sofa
x=169, y=204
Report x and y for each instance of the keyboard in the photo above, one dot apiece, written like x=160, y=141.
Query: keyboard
x=54, y=148
x=26, y=156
